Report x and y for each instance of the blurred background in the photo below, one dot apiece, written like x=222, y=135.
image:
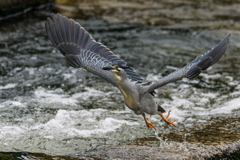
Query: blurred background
x=48, y=107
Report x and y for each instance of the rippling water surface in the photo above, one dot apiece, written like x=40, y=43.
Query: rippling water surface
x=47, y=106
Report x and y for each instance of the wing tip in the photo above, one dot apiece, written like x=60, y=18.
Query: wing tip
x=227, y=37
x=210, y=58
x=193, y=69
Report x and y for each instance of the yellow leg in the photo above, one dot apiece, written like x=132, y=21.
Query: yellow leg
x=166, y=119
x=148, y=122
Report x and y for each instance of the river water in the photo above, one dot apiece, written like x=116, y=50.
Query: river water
x=49, y=107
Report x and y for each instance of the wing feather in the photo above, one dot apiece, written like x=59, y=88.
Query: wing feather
x=65, y=33
x=194, y=68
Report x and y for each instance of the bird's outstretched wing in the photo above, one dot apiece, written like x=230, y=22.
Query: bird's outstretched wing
x=81, y=50
x=194, y=68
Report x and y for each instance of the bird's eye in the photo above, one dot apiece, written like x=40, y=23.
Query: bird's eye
x=116, y=67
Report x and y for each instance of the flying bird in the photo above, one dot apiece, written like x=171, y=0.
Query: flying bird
x=80, y=50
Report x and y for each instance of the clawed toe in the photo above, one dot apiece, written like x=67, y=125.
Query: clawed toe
x=166, y=119
x=148, y=122
x=150, y=125
x=170, y=123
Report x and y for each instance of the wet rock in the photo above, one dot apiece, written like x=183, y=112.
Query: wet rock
x=211, y=141
x=170, y=150
x=170, y=14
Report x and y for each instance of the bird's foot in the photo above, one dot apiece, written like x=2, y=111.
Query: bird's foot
x=148, y=122
x=166, y=119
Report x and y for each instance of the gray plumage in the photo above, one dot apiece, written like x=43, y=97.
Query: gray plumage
x=71, y=40
x=194, y=68
x=82, y=51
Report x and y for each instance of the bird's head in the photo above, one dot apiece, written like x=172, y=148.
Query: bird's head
x=113, y=68
x=118, y=71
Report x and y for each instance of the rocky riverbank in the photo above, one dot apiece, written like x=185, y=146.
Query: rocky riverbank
x=212, y=141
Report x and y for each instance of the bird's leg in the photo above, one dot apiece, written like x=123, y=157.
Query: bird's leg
x=148, y=122
x=166, y=118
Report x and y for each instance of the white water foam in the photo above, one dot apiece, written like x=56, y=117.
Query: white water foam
x=228, y=107
x=12, y=103
x=88, y=93
x=77, y=126
x=69, y=124
x=81, y=123
x=10, y=85
x=53, y=96
x=66, y=124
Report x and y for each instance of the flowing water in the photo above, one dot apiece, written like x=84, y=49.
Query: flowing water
x=49, y=107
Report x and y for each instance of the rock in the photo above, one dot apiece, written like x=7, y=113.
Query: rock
x=210, y=141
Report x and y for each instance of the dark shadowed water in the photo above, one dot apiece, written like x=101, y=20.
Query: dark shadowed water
x=49, y=107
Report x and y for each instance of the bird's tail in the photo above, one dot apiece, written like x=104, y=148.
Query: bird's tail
x=161, y=109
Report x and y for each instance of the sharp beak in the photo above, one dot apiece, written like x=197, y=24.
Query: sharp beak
x=108, y=68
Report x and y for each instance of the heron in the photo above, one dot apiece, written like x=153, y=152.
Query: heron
x=82, y=51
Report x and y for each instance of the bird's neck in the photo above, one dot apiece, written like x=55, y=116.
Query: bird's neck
x=125, y=87
x=130, y=92
x=128, y=88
